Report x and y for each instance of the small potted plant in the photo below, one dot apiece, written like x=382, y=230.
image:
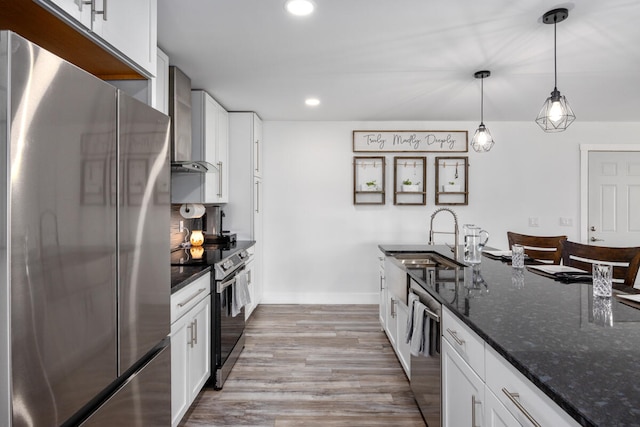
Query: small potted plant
x=451, y=187
x=369, y=186
x=408, y=185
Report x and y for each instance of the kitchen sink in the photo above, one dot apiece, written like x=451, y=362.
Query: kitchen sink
x=426, y=259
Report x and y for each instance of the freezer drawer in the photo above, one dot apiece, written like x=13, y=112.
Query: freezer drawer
x=144, y=400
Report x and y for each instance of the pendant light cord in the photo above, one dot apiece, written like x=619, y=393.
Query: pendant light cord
x=555, y=54
x=482, y=101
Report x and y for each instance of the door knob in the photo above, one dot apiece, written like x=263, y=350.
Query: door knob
x=593, y=239
x=593, y=228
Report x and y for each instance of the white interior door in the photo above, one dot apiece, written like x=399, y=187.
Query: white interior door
x=614, y=198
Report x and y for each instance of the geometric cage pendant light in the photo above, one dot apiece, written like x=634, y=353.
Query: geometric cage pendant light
x=482, y=140
x=556, y=115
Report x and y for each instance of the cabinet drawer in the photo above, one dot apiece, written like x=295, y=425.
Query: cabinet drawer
x=503, y=378
x=466, y=342
x=189, y=296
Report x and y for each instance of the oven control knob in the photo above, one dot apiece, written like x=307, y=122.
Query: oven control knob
x=243, y=254
x=227, y=264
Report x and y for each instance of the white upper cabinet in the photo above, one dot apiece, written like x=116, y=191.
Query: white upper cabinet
x=210, y=139
x=126, y=28
x=257, y=146
x=160, y=84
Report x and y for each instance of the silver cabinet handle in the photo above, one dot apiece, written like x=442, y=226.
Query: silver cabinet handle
x=190, y=327
x=455, y=337
x=593, y=239
x=474, y=402
x=195, y=331
x=185, y=302
x=393, y=307
x=220, y=179
x=257, y=155
x=381, y=279
x=95, y=12
x=257, y=197
x=513, y=398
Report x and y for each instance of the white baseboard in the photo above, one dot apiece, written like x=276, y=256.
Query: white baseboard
x=320, y=298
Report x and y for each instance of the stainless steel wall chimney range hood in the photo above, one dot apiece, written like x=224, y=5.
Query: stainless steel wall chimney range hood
x=180, y=111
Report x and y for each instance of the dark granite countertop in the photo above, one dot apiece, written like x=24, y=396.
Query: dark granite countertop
x=181, y=276
x=553, y=333
x=185, y=270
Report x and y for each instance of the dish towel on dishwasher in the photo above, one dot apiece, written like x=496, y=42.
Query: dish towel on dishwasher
x=409, y=330
x=420, y=331
x=240, y=293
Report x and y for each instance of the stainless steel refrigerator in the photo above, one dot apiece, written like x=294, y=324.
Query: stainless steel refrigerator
x=84, y=241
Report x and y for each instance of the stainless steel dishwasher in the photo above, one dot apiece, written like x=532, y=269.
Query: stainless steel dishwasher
x=425, y=371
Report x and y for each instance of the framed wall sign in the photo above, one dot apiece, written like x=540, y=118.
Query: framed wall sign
x=416, y=141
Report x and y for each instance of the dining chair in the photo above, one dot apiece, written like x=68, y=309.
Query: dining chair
x=625, y=261
x=545, y=248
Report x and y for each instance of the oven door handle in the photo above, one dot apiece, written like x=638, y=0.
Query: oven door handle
x=224, y=285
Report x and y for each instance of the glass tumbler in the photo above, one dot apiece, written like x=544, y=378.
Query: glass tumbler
x=517, y=256
x=602, y=274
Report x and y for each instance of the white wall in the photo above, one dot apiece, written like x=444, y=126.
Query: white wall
x=320, y=248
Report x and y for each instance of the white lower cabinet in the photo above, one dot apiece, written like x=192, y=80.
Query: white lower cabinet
x=462, y=390
x=495, y=414
x=394, y=311
x=251, y=271
x=382, y=302
x=403, y=349
x=190, y=346
x=481, y=388
x=526, y=402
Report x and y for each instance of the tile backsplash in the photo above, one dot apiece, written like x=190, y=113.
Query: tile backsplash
x=210, y=224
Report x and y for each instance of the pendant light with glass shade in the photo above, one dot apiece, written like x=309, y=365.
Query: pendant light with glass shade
x=482, y=140
x=556, y=115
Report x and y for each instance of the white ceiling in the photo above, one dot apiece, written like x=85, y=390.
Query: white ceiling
x=407, y=59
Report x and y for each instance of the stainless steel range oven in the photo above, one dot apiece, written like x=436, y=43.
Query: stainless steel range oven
x=227, y=330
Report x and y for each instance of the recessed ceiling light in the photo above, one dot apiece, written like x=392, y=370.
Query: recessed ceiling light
x=300, y=7
x=312, y=102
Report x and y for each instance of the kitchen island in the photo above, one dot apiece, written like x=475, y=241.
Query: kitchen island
x=550, y=332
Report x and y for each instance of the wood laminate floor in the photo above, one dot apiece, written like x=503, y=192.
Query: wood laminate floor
x=311, y=365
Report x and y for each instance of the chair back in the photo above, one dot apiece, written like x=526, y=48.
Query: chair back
x=625, y=261
x=547, y=248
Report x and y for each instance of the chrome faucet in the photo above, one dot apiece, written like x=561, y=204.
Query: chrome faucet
x=455, y=231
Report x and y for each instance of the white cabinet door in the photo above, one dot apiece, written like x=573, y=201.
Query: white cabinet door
x=210, y=143
x=160, y=84
x=404, y=349
x=190, y=346
x=392, y=319
x=222, y=154
x=179, y=369
x=495, y=414
x=462, y=391
x=199, y=348
x=250, y=270
x=257, y=146
x=130, y=27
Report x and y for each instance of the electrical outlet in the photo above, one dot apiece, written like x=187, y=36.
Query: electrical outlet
x=566, y=222
x=181, y=226
x=534, y=221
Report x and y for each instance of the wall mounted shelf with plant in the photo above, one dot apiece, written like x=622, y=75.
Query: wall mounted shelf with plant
x=369, y=180
x=409, y=180
x=452, y=180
